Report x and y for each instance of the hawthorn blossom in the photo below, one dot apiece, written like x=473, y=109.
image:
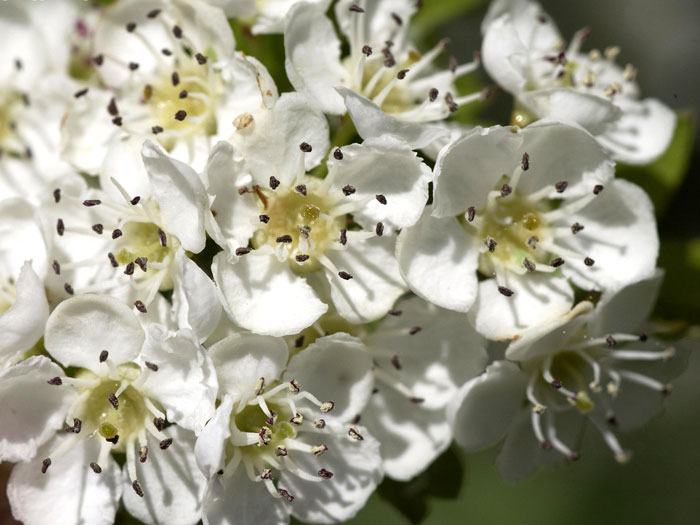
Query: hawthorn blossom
x=313, y=240
x=382, y=67
x=421, y=356
x=263, y=16
x=532, y=211
x=589, y=365
x=273, y=449
x=525, y=53
x=128, y=383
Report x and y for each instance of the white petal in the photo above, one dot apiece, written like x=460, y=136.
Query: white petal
x=487, y=404
x=336, y=368
x=356, y=468
x=21, y=238
x=313, y=56
x=437, y=351
x=382, y=166
x=31, y=410
x=263, y=295
x=180, y=195
x=172, y=485
x=81, y=327
x=536, y=299
x=504, y=55
x=210, y=448
x=123, y=162
x=643, y=132
x=620, y=236
x=200, y=308
x=438, y=260
x=242, y=359
x=70, y=492
x=377, y=20
x=376, y=282
x=370, y=122
x=185, y=384
x=23, y=323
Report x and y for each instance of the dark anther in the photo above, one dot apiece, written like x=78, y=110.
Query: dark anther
x=525, y=162
x=490, y=243
x=131, y=26
x=177, y=31
x=143, y=454
x=325, y=474
x=395, y=362
x=556, y=263
x=274, y=183
x=597, y=189
x=285, y=495
x=381, y=198
x=561, y=186
x=104, y=354
x=379, y=229
x=284, y=238
x=80, y=93
x=545, y=445
x=95, y=468
x=345, y=275
x=166, y=443
x=348, y=190
x=157, y=129
x=397, y=19
x=402, y=74
x=471, y=213
x=576, y=227
x=158, y=422
x=113, y=440
x=355, y=434
x=113, y=401
x=201, y=59
x=451, y=104
x=77, y=426
x=56, y=267
x=151, y=366
x=55, y=381
x=242, y=251
x=367, y=50
x=140, y=306
x=433, y=94
x=183, y=94
x=116, y=233
x=175, y=78
x=505, y=291
x=137, y=488
x=356, y=9
x=180, y=115
x=643, y=336
x=453, y=64
x=163, y=238
x=337, y=154
x=45, y=465
x=506, y=190
x=112, y=107
x=117, y=121
x=153, y=13
x=611, y=419
x=588, y=261
x=610, y=341
x=416, y=400
x=133, y=66
x=302, y=257
x=356, y=419
x=98, y=228
x=69, y=289
x=301, y=188
x=57, y=195
x=305, y=147
x=556, y=383
x=343, y=236
x=98, y=60
x=666, y=389
x=414, y=330
x=112, y=260
x=574, y=456
x=395, y=313
x=299, y=342
x=129, y=270
x=166, y=52
x=90, y=203
x=529, y=265
x=264, y=218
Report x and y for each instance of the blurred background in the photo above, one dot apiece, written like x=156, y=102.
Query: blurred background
x=661, y=485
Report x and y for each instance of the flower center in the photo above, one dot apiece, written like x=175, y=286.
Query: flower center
x=143, y=240
x=9, y=101
x=273, y=430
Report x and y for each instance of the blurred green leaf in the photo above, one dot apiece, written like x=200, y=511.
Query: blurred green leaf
x=681, y=287
x=434, y=13
x=662, y=178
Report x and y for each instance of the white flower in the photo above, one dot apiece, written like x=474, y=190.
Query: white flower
x=273, y=449
x=127, y=384
x=266, y=16
x=301, y=229
x=531, y=210
x=422, y=355
x=171, y=73
x=588, y=365
x=382, y=66
x=524, y=52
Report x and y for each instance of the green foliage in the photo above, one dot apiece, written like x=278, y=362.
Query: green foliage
x=435, y=13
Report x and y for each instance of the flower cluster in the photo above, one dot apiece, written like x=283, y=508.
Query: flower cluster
x=214, y=305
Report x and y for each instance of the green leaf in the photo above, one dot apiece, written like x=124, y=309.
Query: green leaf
x=662, y=178
x=678, y=299
x=434, y=13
